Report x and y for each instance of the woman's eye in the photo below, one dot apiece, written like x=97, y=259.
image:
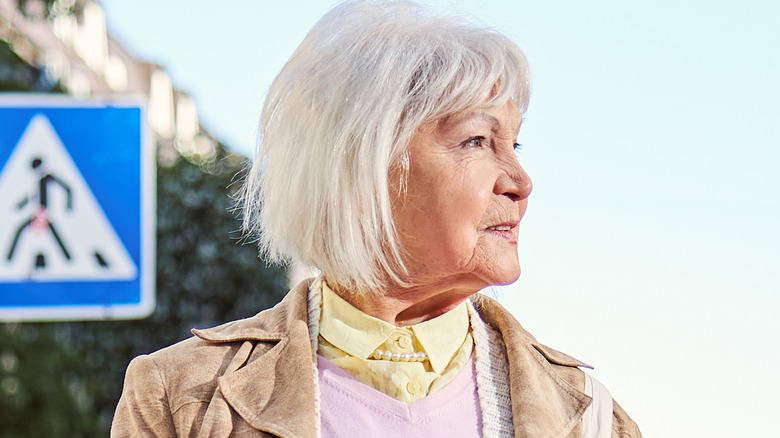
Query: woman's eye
x=518, y=150
x=474, y=142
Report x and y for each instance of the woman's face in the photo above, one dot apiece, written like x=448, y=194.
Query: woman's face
x=466, y=194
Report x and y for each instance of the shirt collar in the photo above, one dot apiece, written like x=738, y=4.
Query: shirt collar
x=349, y=329
x=443, y=336
x=359, y=334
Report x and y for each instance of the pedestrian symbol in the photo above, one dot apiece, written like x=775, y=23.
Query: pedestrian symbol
x=40, y=219
x=51, y=226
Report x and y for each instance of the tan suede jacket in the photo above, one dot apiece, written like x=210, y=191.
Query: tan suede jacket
x=254, y=378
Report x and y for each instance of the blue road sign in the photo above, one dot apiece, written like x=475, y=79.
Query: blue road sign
x=77, y=204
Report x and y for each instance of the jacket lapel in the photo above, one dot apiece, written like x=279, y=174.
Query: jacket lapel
x=543, y=403
x=272, y=387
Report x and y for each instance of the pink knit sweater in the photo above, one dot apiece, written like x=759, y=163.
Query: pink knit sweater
x=350, y=408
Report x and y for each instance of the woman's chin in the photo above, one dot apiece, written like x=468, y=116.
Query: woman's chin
x=506, y=276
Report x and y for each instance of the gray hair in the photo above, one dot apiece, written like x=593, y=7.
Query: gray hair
x=337, y=121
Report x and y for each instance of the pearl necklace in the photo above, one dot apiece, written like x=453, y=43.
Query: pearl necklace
x=419, y=356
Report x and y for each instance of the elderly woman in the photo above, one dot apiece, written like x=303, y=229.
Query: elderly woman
x=387, y=161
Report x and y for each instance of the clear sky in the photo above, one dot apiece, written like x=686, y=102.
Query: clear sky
x=652, y=240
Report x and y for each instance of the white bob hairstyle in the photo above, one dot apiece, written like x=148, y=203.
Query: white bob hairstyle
x=337, y=121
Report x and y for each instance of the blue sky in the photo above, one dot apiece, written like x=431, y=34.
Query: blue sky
x=651, y=243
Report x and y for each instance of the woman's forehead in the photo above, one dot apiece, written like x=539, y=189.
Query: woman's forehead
x=502, y=116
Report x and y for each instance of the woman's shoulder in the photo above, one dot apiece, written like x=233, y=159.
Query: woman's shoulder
x=197, y=361
x=173, y=387
x=525, y=352
x=211, y=346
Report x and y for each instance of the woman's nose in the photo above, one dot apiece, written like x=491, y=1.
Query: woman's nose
x=514, y=182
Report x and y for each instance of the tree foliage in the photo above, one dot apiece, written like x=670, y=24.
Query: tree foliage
x=64, y=379
x=16, y=75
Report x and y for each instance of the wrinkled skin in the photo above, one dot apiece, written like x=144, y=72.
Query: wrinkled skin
x=457, y=219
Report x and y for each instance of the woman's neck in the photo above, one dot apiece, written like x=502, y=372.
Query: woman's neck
x=407, y=306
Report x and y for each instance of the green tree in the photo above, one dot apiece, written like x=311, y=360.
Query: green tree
x=64, y=379
x=18, y=76
x=45, y=389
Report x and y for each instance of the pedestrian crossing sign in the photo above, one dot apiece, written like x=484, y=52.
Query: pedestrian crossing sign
x=76, y=209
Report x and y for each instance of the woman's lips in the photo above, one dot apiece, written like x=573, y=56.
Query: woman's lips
x=507, y=231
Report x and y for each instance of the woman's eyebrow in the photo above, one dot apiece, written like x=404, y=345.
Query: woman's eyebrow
x=479, y=115
x=496, y=124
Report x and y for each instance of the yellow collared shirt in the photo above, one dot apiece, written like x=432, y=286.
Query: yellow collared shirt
x=349, y=338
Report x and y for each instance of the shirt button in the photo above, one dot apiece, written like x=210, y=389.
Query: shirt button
x=403, y=341
x=413, y=387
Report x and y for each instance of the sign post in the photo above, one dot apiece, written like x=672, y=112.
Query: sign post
x=77, y=205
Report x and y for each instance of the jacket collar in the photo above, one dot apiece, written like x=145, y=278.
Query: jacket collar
x=271, y=385
x=543, y=403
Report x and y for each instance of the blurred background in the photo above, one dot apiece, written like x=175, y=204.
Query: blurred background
x=649, y=249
